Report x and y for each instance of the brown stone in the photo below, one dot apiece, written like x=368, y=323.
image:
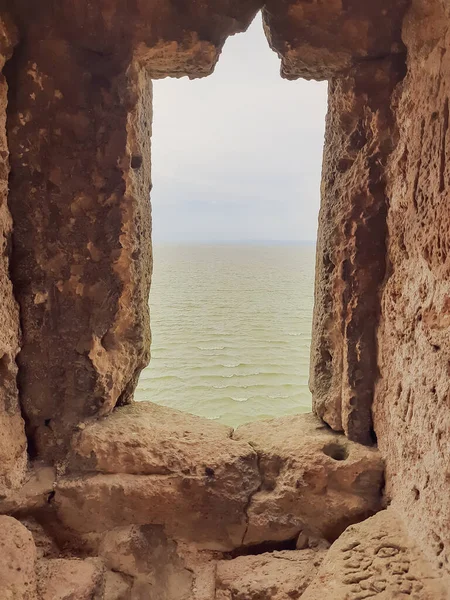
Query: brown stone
x=17, y=561
x=75, y=123
x=204, y=585
x=46, y=546
x=12, y=436
x=148, y=439
x=70, y=579
x=313, y=480
x=269, y=576
x=83, y=289
x=146, y=554
x=79, y=126
x=411, y=409
x=117, y=586
x=38, y=484
x=376, y=559
x=319, y=40
x=351, y=246
x=160, y=466
x=170, y=39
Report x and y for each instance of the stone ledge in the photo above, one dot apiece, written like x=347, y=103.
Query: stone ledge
x=267, y=482
x=146, y=439
x=314, y=480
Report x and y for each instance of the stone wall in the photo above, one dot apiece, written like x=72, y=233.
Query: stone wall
x=358, y=48
x=412, y=402
x=322, y=40
x=12, y=435
x=79, y=127
x=120, y=501
x=351, y=245
x=82, y=260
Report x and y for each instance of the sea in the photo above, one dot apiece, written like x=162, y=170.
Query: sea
x=231, y=330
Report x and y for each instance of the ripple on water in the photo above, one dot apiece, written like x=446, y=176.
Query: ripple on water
x=231, y=329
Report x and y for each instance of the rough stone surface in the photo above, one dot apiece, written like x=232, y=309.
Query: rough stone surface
x=159, y=466
x=79, y=134
x=12, y=435
x=17, y=561
x=46, y=546
x=351, y=246
x=270, y=576
x=78, y=119
x=319, y=40
x=145, y=554
x=79, y=188
x=148, y=439
x=313, y=480
x=70, y=579
x=170, y=39
x=204, y=585
x=117, y=586
x=376, y=559
x=79, y=125
x=38, y=484
x=411, y=411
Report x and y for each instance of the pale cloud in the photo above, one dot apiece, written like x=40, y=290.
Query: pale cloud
x=238, y=155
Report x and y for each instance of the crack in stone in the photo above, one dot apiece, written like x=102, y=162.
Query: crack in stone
x=252, y=495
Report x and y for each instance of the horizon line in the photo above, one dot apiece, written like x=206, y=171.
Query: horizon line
x=261, y=241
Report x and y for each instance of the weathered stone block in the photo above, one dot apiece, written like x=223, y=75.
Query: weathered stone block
x=270, y=576
x=412, y=399
x=313, y=480
x=70, y=579
x=151, y=559
x=117, y=586
x=147, y=464
x=351, y=246
x=155, y=465
x=319, y=40
x=17, y=561
x=33, y=494
x=82, y=226
x=376, y=559
x=13, y=455
x=79, y=132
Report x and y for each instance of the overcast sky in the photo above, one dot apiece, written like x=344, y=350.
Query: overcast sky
x=237, y=156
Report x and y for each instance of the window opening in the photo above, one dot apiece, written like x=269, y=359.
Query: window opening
x=236, y=171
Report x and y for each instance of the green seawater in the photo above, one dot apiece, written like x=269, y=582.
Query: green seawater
x=231, y=330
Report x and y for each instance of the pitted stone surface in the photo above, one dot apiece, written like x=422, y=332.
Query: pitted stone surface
x=169, y=38
x=151, y=560
x=33, y=495
x=351, y=246
x=269, y=576
x=79, y=130
x=320, y=40
x=79, y=127
x=79, y=122
x=147, y=464
x=411, y=408
x=376, y=560
x=12, y=435
x=148, y=439
x=313, y=480
x=156, y=465
x=17, y=561
x=82, y=235
x=70, y=579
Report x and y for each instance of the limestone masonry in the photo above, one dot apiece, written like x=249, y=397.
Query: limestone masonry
x=105, y=499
